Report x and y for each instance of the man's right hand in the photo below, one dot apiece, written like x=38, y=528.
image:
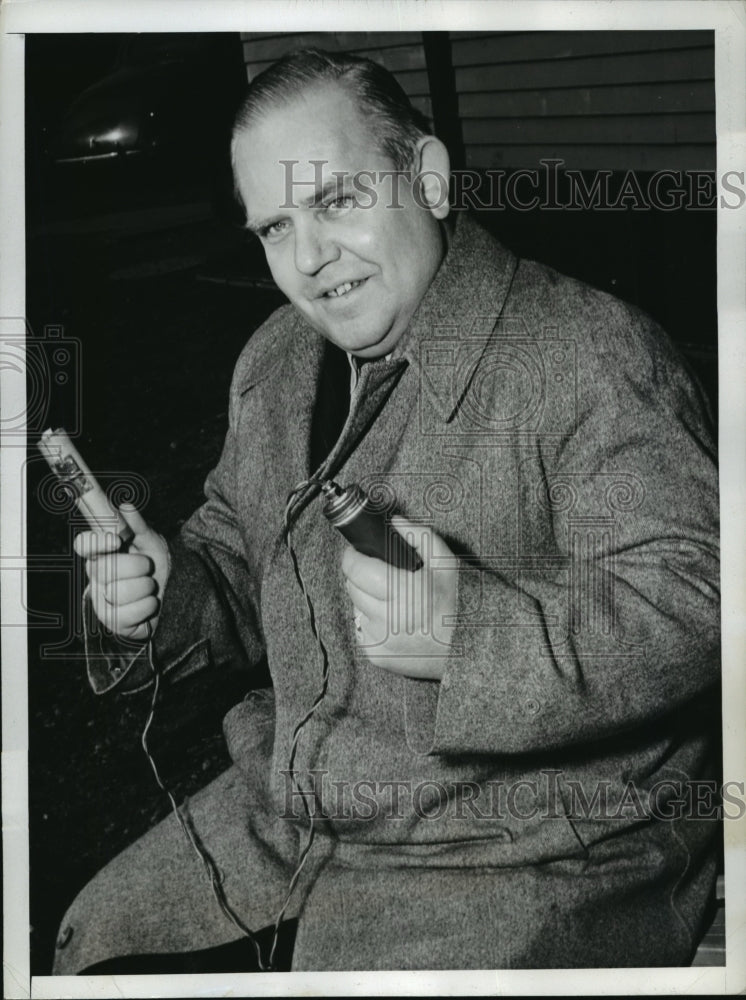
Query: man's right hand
x=126, y=587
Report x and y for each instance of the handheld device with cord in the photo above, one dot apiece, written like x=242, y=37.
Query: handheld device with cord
x=351, y=512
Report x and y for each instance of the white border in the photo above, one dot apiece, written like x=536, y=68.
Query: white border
x=729, y=21
x=12, y=530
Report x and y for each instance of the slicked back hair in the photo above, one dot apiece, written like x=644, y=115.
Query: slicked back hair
x=396, y=125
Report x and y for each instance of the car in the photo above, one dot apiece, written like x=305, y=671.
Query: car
x=154, y=128
x=166, y=94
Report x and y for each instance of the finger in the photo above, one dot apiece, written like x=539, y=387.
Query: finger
x=121, y=617
x=128, y=591
x=422, y=538
x=367, y=573
x=89, y=544
x=371, y=607
x=413, y=534
x=121, y=566
x=134, y=519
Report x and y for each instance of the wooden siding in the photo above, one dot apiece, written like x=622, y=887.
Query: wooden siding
x=616, y=100
x=401, y=52
x=598, y=100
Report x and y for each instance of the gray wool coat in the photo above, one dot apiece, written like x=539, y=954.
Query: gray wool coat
x=526, y=810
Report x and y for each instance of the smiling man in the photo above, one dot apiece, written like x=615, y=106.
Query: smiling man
x=356, y=274
x=483, y=763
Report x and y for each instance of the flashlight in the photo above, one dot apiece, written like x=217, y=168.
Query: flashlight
x=350, y=511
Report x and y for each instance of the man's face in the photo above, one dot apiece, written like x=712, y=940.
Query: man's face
x=356, y=273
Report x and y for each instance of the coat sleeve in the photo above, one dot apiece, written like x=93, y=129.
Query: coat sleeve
x=210, y=615
x=623, y=628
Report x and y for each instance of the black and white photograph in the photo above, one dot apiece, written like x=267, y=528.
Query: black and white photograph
x=373, y=490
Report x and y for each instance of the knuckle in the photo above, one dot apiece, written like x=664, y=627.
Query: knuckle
x=119, y=623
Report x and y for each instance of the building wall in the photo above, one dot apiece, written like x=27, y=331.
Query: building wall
x=614, y=101
x=627, y=100
x=401, y=52
x=619, y=100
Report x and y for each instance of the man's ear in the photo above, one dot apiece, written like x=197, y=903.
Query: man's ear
x=433, y=176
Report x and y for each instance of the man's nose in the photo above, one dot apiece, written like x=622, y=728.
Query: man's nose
x=313, y=246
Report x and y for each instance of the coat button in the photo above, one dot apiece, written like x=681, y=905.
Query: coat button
x=65, y=934
x=532, y=706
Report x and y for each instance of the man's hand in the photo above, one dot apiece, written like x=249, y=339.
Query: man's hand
x=400, y=614
x=126, y=587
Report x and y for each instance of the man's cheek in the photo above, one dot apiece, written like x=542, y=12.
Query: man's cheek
x=359, y=237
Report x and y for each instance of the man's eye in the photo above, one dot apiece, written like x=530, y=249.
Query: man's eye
x=340, y=204
x=274, y=230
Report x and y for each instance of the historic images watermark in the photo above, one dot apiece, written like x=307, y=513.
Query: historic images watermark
x=551, y=795
x=549, y=187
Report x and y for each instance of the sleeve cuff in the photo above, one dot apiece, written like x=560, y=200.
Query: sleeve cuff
x=111, y=661
x=116, y=663
x=467, y=711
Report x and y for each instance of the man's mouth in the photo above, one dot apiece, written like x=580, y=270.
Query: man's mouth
x=344, y=289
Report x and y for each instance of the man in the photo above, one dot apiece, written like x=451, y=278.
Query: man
x=480, y=763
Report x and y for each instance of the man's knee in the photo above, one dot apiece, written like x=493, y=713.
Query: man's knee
x=94, y=927
x=156, y=897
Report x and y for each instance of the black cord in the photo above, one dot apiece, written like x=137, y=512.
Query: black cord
x=297, y=496
x=213, y=873
x=295, y=499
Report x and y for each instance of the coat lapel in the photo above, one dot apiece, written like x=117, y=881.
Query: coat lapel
x=462, y=307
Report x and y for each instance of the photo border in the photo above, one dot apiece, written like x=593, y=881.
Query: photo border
x=66, y=16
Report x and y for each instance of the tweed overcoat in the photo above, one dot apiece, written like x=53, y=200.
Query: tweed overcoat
x=524, y=811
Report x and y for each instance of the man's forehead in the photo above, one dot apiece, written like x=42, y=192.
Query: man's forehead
x=320, y=133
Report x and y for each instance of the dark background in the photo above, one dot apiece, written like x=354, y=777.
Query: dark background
x=141, y=260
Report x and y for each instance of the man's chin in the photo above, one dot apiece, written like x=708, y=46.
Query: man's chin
x=367, y=345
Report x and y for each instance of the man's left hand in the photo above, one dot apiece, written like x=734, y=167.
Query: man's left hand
x=399, y=614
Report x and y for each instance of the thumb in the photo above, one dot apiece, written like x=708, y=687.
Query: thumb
x=148, y=543
x=134, y=518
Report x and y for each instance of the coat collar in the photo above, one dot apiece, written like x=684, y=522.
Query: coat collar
x=464, y=300
x=468, y=293
x=463, y=303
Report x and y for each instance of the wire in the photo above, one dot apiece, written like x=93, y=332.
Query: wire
x=207, y=860
x=296, y=497
x=295, y=500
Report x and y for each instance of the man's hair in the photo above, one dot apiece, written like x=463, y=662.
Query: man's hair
x=396, y=125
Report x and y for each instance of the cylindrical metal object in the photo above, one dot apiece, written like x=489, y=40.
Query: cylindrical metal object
x=367, y=530
x=67, y=464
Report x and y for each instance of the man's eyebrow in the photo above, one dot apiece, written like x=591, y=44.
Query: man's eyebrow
x=258, y=226
x=334, y=186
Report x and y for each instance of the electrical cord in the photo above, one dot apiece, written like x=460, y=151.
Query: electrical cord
x=205, y=857
x=296, y=497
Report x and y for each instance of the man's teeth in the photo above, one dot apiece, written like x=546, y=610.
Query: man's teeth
x=342, y=289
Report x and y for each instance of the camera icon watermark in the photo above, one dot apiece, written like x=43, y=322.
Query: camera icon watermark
x=41, y=381
x=506, y=385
